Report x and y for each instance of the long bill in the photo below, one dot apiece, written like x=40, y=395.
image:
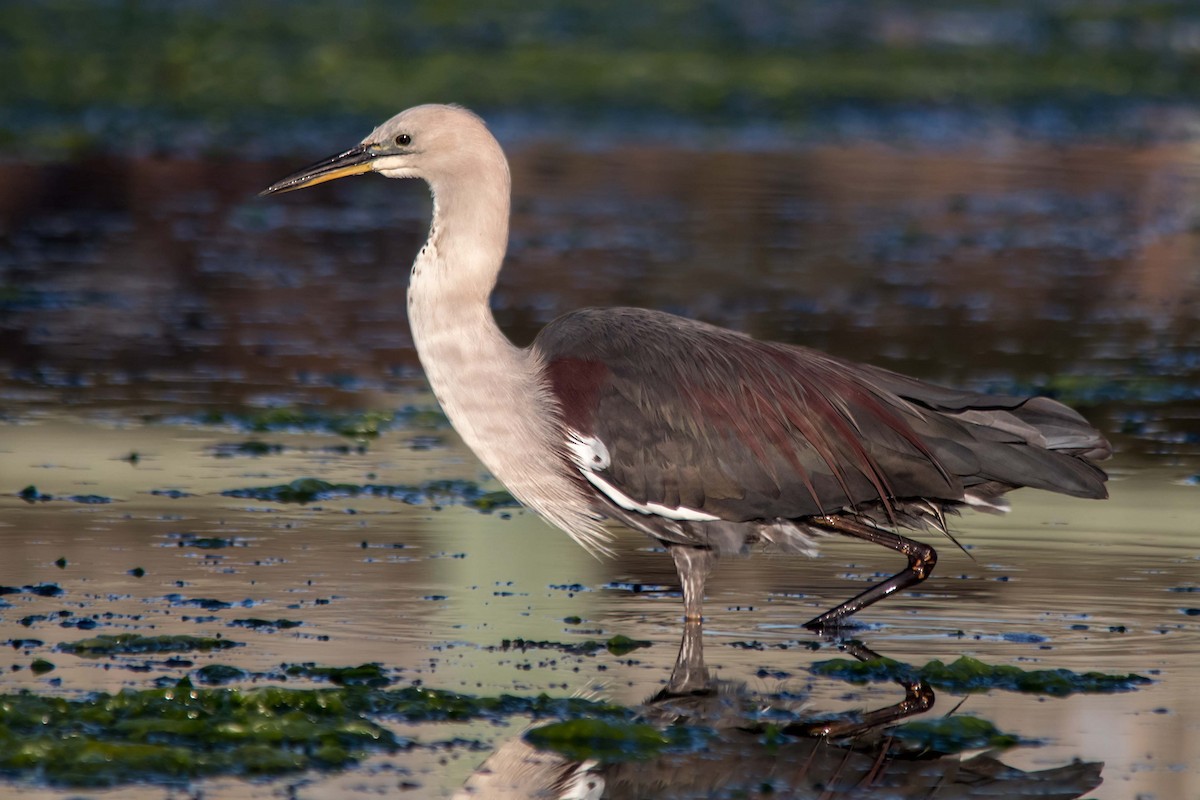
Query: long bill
x=354, y=161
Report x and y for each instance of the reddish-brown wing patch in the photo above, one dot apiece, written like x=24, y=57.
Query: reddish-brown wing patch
x=576, y=384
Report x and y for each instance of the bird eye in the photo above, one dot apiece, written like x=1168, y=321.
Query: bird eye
x=404, y=140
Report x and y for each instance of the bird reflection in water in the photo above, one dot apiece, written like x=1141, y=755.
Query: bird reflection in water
x=812, y=755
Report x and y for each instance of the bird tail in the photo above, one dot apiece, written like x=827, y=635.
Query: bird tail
x=1011, y=442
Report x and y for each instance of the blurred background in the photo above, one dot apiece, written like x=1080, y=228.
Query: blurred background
x=995, y=194
x=214, y=77
x=1003, y=196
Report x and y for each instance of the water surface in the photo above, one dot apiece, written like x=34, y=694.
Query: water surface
x=149, y=306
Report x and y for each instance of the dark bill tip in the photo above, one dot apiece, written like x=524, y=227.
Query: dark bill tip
x=354, y=161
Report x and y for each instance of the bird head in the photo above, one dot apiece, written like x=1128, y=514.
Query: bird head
x=429, y=141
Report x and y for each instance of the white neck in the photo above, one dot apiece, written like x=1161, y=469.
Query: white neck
x=493, y=392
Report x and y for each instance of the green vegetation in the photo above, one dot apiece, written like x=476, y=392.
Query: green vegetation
x=308, y=490
x=218, y=674
x=618, y=645
x=30, y=494
x=953, y=734
x=357, y=425
x=615, y=740
x=362, y=675
x=420, y=704
x=490, y=501
x=206, y=542
x=251, y=447
x=275, y=624
x=137, y=644
x=41, y=666
x=972, y=675
x=236, y=67
x=40, y=589
x=182, y=732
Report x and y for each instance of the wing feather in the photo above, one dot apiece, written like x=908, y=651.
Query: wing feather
x=708, y=419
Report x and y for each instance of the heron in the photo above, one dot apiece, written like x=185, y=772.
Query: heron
x=708, y=440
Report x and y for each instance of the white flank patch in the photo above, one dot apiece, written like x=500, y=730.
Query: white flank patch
x=998, y=504
x=591, y=455
x=584, y=784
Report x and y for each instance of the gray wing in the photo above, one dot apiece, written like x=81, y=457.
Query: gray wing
x=697, y=417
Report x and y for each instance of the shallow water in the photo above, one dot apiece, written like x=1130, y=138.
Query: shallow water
x=139, y=296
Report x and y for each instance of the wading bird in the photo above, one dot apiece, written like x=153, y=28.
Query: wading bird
x=704, y=438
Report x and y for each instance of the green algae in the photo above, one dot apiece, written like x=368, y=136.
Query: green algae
x=30, y=494
x=585, y=648
x=88, y=499
x=618, y=645
x=615, y=739
x=362, y=675
x=301, y=490
x=421, y=418
x=424, y=704
x=309, y=490
x=490, y=501
x=954, y=734
x=357, y=425
x=268, y=624
x=137, y=644
x=220, y=674
x=612, y=740
x=39, y=589
x=206, y=603
x=207, y=542
x=188, y=539
x=968, y=675
x=182, y=732
x=254, y=448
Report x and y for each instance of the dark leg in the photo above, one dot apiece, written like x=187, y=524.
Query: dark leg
x=918, y=698
x=693, y=565
x=921, y=560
